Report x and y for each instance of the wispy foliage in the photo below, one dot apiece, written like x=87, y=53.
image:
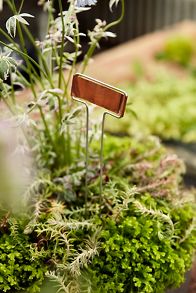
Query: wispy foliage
x=84, y=257
x=11, y=23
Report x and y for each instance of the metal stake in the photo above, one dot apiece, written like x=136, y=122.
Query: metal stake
x=101, y=154
x=87, y=150
x=86, y=157
x=85, y=88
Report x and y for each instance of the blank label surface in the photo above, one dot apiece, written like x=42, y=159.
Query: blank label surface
x=99, y=94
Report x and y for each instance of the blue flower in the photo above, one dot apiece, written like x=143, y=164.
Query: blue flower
x=82, y=3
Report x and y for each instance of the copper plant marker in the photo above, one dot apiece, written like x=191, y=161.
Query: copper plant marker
x=86, y=89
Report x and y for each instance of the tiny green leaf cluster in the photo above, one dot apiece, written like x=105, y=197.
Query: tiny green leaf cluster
x=138, y=254
x=21, y=267
x=171, y=104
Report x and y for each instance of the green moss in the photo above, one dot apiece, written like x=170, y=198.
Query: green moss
x=21, y=266
x=137, y=253
x=138, y=237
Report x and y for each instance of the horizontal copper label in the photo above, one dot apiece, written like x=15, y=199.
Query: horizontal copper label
x=98, y=93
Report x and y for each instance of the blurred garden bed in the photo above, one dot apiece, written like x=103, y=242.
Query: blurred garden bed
x=115, y=66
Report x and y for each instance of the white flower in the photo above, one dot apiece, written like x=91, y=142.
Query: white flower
x=113, y=2
x=11, y=23
x=82, y=3
x=7, y=65
x=1, y=5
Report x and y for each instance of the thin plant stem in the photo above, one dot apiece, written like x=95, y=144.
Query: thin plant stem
x=69, y=145
x=55, y=53
x=29, y=72
x=24, y=55
x=101, y=154
x=86, y=157
x=76, y=42
x=39, y=53
x=94, y=44
x=86, y=151
x=19, y=52
x=24, y=69
x=46, y=126
x=62, y=43
x=21, y=6
x=12, y=89
x=60, y=79
x=79, y=136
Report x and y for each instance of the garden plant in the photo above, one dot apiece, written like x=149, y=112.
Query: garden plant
x=178, y=50
x=164, y=106
x=140, y=234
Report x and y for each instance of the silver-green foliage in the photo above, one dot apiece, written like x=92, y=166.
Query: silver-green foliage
x=55, y=136
x=164, y=107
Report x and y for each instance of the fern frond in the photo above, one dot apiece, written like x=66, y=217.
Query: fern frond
x=58, y=280
x=14, y=226
x=69, y=225
x=86, y=255
x=80, y=211
x=35, y=187
x=39, y=206
x=63, y=283
x=158, y=215
x=57, y=208
x=123, y=202
x=189, y=231
x=59, y=236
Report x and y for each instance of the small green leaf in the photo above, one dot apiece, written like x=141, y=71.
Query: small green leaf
x=12, y=21
x=11, y=26
x=4, y=69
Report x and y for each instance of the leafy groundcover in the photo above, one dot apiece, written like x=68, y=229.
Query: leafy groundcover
x=139, y=236
x=164, y=106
